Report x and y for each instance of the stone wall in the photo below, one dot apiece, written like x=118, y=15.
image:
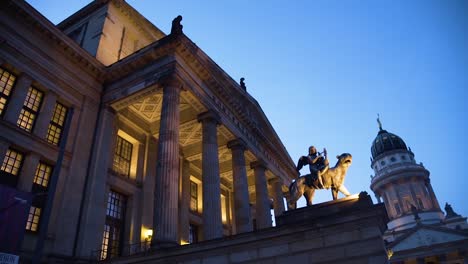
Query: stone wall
x=348, y=230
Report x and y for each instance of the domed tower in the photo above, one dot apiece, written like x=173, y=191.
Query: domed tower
x=402, y=184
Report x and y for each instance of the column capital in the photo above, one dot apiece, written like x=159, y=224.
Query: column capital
x=258, y=164
x=209, y=116
x=237, y=143
x=275, y=180
x=171, y=81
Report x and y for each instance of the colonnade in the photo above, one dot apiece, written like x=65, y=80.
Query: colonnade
x=166, y=213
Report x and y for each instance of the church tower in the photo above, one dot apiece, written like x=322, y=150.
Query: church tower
x=402, y=184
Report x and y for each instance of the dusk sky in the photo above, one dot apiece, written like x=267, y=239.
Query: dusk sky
x=322, y=70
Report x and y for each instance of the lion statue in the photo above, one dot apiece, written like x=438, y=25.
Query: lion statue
x=327, y=178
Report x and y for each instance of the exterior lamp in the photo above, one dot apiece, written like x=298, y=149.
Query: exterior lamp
x=149, y=233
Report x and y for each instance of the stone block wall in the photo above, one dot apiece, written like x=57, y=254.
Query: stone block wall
x=345, y=231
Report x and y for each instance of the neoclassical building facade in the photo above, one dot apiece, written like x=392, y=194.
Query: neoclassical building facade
x=159, y=143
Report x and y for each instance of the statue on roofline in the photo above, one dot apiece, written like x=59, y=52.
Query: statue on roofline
x=176, y=28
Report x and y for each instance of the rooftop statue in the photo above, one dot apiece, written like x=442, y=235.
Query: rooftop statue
x=176, y=28
x=450, y=212
x=320, y=177
x=242, y=84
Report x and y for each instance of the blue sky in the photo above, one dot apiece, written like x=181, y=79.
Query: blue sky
x=322, y=70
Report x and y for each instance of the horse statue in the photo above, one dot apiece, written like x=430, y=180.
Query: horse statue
x=327, y=178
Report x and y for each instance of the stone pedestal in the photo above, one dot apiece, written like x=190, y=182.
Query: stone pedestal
x=242, y=215
x=262, y=202
x=167, y=170
x=212, y=222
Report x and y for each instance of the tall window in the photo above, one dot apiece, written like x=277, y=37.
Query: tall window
x=193, y=234
x=31, y=106
x=7, y=80
x=122, y=156
x=397, y=208
x=39, y=189
x=224, y=209
x=193, y=196
x=114, y=226
x=420, y=203
x=57, y=122
x=33, y=219
x=10, y=167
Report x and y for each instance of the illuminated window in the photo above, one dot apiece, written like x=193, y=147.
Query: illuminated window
x=31, y=106
x=193, y=234
x=33, y=219
x=7, y=80
x=42, y=176
x=56, y=124
x=115, y=214
x=122, y=156
x=223, y=209
x=193, y=196
x=10, y=167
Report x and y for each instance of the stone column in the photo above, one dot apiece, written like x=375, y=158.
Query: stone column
x=242, y=215
x=397, y=195
x=262, y=202
x=212, y=223
x=184, y=208
x=413, y=196
x=28, y=171
x=45, y=115
x=278, y=203
x=16, y=102
x=435, y=203
x=167, y=170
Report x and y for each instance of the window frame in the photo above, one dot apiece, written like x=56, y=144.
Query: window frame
x=28, y=114
x=119, y=158
x=114, y=226
x=57, y=126
x=8, y=88
x=10, y=178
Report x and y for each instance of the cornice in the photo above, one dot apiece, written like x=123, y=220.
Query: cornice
x=39, y=23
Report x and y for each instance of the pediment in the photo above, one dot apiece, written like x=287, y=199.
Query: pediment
x=427, y=237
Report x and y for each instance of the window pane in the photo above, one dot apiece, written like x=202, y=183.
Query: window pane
x=30, y=109
x=122, y=156
x=12, y=162
x=7, y=80
x=42, y=176
x=33, y=219
x=56, y=124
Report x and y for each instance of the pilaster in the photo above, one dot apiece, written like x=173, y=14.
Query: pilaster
x=167, y=170
x=28, y=171
x=4, y=146
x=262, y=201
x=211, y=185
x=242, y=214
x=96, y=195
x=45, y=115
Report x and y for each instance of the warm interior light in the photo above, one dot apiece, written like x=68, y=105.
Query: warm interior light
x=184, y=242
x=149, y=233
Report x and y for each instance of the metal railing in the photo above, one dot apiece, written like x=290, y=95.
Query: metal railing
x=125, y=250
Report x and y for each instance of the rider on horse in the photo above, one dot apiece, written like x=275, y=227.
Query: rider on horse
x=317, y=163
